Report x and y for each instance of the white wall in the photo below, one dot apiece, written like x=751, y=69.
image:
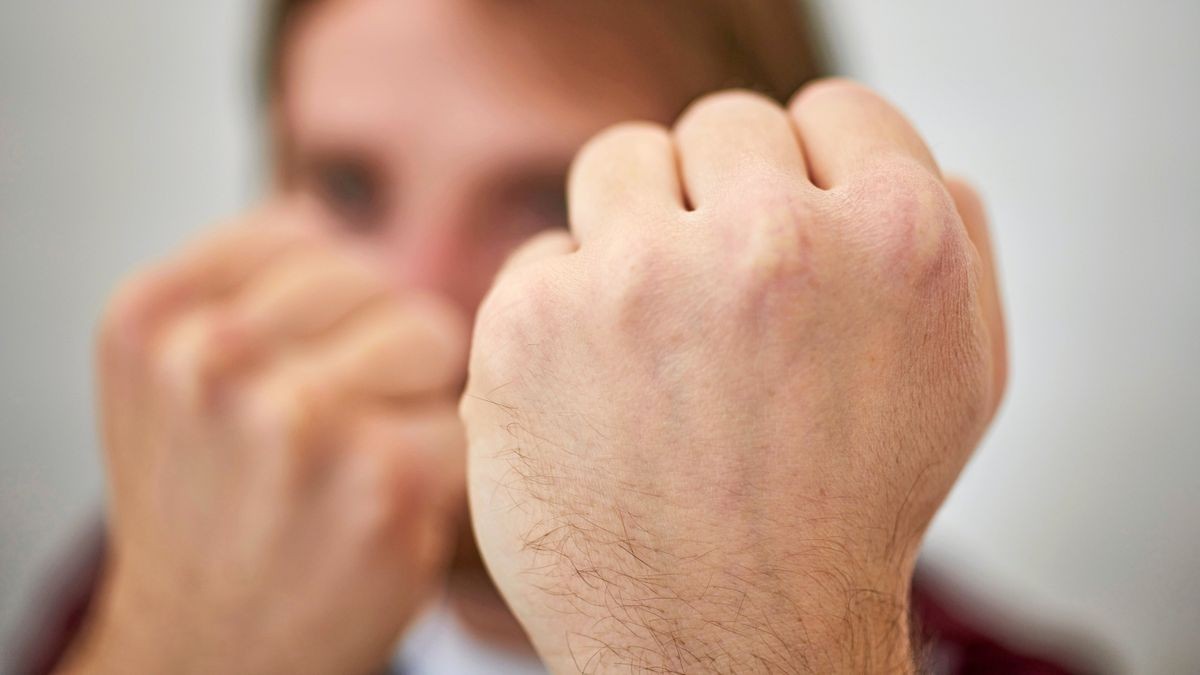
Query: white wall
x=125, y=125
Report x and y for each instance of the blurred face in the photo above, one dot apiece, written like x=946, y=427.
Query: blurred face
x=439, y=132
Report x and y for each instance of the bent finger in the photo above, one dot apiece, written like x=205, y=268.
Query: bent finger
x=971, y=209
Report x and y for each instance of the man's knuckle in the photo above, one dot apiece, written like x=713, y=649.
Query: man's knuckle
x=632, y=135
x=444, y=327
x=394, y=489
x=632, y=281
x=515, y=305
x=777, y=243
x=404, y=477
x=908, y=216
x=187, y=365
x=287, y=404
x=819, y=90
x=125, y=322
x=170, y=375
x=728, y=105
x=620, y=140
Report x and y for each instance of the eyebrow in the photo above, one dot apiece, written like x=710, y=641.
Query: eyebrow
x=297, y=160
x=503, y=174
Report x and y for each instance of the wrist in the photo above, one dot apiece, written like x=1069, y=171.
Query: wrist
x=843, y=621
x=825, y=619
x=877, y=612
x=118, y=638
x=870, y=633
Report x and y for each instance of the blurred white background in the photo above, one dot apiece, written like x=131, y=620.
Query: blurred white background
x=126, y=126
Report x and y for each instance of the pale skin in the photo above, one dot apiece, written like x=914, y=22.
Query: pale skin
x=283, y=452
x=280, y=400
x=709, y=427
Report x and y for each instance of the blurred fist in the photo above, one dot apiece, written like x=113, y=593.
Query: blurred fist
x=284, y=456
x=707, y=433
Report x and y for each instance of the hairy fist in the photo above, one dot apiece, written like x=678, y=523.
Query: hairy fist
x=708, y=432
x=284, y=456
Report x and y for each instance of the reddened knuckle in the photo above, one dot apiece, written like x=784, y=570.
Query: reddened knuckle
x=909, y=217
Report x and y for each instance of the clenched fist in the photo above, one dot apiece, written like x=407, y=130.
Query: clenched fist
x=708, y=432
x=284, y=456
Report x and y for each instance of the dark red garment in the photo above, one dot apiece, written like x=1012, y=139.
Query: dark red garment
x=954, y=644
x=957, y=640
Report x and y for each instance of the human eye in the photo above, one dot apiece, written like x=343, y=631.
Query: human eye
x=350, y=189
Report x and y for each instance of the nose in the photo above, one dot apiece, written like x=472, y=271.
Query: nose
x=437, y=258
